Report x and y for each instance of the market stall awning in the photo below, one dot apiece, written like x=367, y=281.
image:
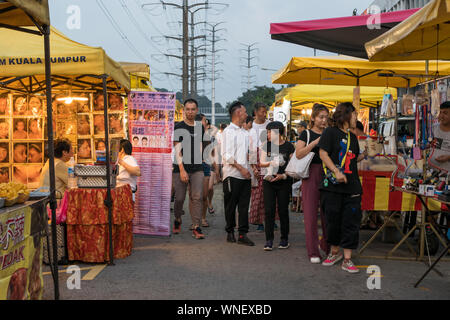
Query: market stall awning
x=333, y=94
x=23, y=12
x=346, y=35
x=423, y=36
x=73, y=64
x=342, y=70
x=139, y=75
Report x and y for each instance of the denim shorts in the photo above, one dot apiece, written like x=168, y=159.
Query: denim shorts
x=206, y=169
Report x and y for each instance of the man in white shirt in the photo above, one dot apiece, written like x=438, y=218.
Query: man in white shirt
x=258, y=136
x=236, y=174
x=440, y=156
x=129, y=169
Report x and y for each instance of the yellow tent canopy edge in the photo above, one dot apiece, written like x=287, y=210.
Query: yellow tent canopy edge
x=38, y=9
x=22, y=54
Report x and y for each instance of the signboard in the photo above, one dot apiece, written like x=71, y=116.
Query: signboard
x=151, y=124
x=20, y=255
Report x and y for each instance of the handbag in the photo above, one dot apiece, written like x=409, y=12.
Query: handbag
x=329, y=175
x=299, y=168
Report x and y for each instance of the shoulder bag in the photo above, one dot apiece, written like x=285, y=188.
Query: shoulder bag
x=299, y=168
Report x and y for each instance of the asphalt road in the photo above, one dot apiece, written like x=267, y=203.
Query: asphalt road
x=180, y=267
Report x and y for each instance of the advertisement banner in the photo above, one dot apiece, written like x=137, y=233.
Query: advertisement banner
x=20, y=255
x=151, y=125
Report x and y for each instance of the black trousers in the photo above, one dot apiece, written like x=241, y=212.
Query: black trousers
x=277, y=192
x=343, y=214
x=236, y=193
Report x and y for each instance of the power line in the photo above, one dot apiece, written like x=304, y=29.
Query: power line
x=119, y=31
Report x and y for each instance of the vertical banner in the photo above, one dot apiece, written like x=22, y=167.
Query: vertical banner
x=20, y=254
x=151, y=132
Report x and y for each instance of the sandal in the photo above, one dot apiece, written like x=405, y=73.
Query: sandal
x=205, y=224
x=211, y=210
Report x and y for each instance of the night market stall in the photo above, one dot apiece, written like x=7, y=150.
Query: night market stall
x=423, y=36
x=84, y=80
x=343, y=70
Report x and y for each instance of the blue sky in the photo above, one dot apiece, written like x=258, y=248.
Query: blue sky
x=246, y=21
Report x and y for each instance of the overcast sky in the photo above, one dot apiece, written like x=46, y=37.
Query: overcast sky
x=246, y=21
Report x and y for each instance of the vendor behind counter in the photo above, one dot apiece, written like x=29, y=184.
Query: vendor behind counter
x=63, y=152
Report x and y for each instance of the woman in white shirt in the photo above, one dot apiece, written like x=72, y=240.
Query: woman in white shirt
x=129, y=169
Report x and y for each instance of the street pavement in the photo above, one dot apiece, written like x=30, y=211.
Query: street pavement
x=181, y=267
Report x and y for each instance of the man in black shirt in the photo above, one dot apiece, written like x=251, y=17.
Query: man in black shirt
x=341, y=190
x=188, y=169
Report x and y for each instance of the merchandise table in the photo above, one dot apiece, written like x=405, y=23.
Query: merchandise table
x=22, y=228
x=87, y=224
x=427, y=204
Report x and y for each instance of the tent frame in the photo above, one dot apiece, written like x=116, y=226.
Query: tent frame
x=44, y=30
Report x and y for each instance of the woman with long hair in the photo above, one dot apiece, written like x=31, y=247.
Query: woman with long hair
x=341, y=189
x=308, y=142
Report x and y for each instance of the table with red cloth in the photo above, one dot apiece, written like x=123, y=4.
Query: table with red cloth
x=379, y=196
x=87, y=224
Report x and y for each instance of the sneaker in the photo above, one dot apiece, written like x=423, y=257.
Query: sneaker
x=268, y=246
x=260, y=228
x=191, y=227
x=332, y=259
x=197, y=233
x=347, y=265
x=284, y=244
x=243, y=239
x=314, y=260
x=176, y=227
x=230, y=237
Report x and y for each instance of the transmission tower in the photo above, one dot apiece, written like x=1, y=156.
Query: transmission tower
x=248, y=52
x=185, y=38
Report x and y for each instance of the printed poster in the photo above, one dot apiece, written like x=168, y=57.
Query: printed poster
x=20, y=254
x=151, y=121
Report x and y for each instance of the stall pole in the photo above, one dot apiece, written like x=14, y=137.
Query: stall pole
x=51, y=157
x=108, y=201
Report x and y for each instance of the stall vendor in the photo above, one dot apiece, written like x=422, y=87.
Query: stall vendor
x=129, y=169
x=440, y=156
x=63, y=153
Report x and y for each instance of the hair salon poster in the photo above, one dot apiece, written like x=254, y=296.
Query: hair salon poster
x=151, y=124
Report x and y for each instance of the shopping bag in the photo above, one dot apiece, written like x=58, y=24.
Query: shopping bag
x=61, y=210
x=299, y=168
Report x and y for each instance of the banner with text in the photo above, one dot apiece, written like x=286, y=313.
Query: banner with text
x=151, y=124
x=20, y=255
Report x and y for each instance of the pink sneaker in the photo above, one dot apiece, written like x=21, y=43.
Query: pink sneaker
x=348, y=266
x=332, y=259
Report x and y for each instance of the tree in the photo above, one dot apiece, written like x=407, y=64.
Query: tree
x=262, y=94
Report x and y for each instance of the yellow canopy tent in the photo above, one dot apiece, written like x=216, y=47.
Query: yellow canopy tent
x=23, y=12
x=423, y=36
x=73, y=64
x=312, y=92
x=139, y=75
x=342, y=70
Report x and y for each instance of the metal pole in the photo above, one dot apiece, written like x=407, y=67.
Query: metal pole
x=213, y=94
x=185, y=50
x=108, y=201
x=192, y=93
x=51, y=157
x=248, y=76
